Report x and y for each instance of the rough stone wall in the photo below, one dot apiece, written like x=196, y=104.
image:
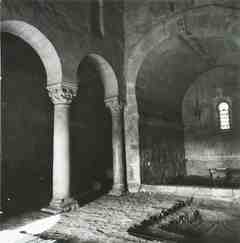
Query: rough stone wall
x=162, y=151
x=205, y=144
x=141, y=17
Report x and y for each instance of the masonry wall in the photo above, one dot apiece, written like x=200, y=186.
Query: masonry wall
x=206, y=145
x=26, y=126
x=142, y=16
x=162, y=152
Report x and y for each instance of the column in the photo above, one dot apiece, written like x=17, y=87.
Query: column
x=131, y=119
x=117, y=146
x=1, y=155
x=61, y=97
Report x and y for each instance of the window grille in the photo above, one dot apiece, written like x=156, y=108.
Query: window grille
x=224, y=116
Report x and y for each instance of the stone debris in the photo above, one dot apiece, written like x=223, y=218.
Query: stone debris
x=107, y=219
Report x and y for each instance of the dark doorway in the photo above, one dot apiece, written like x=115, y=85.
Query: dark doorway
x=26, y=127
x=91, y=136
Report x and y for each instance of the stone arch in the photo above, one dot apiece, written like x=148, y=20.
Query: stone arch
x=113, y=103
x=40, y=44
x=107, y=75
x=173, y=26
x=27, y=73
x=177, y=25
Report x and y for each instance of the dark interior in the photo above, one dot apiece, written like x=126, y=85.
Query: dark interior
x=91, y=136
x=27, y=132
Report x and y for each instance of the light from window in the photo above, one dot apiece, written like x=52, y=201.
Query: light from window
x=224, y=117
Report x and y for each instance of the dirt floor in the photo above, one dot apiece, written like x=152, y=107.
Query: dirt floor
x=108, y=218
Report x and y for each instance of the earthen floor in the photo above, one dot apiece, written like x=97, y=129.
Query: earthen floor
x=108, y=218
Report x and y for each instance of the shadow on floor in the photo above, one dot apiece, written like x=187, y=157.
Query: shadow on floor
x=77, y=241
x=87, y=197
x=66, y=239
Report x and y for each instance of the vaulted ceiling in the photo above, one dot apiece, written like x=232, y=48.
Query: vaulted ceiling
x=170, y=68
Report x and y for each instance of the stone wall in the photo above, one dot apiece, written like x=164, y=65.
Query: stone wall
x=152, y=25
x=206, y=145
x=143, y=16
x=130, y=30
x=162, y=151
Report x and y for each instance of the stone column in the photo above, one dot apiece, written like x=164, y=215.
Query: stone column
x=117, y=145
x=1, y=156
x=131, y=119
x=61, y=97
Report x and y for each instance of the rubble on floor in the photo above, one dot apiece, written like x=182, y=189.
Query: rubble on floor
x=107, y=219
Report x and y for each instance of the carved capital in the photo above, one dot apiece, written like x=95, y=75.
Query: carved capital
x=61, y=94
x=114, y=105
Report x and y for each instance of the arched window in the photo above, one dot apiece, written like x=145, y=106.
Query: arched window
x=224, y=116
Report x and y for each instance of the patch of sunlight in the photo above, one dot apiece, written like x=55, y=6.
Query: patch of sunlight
x=36, y=227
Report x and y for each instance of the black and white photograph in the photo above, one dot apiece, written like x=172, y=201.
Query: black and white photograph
x=120, y=121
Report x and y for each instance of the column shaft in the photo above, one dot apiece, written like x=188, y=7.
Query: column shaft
x=132, y=149
x=117, y=146
x=61, y=152
x=118, y=168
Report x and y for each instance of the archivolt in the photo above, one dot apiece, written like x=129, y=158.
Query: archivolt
x=107, y=74
x=40, y=44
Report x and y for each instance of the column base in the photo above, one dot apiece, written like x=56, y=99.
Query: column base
x=134, y=187
x=118, y=190
x=57, y=206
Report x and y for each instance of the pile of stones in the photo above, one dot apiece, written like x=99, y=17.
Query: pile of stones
x=175, y=219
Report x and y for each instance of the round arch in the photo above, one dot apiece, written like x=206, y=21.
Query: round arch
x=183, y=23
x=107, y=74
x=177, y=25
x=113, y=104
x=40, y=44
